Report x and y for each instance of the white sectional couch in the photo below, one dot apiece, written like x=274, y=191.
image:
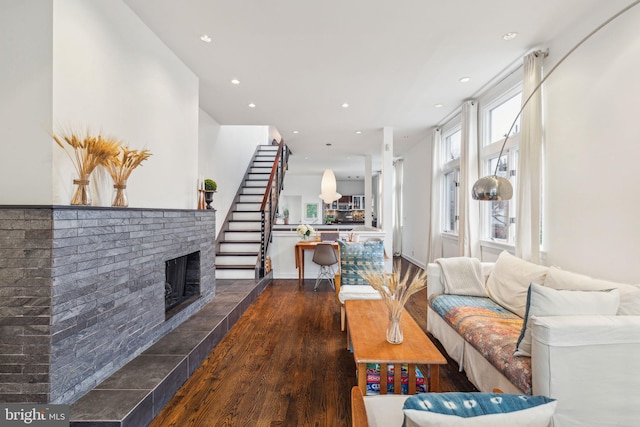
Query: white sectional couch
x=589, y=363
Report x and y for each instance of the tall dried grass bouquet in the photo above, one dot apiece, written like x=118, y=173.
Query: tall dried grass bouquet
x=120, y=168
x=86, y=153
x=395, y=289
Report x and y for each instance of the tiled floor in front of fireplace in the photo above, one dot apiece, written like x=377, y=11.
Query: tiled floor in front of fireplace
x=135, y=394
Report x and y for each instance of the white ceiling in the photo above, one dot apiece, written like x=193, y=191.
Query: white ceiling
x=392, y=61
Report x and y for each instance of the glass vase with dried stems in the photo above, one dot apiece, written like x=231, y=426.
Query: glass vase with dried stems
x=395, y=289
x=120, y=168
x=86, y=153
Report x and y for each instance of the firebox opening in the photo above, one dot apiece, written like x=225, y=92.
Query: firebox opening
x=182, y=283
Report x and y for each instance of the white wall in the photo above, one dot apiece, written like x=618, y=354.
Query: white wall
x=274, y=134
x=592, y=151
x=26, y=30
x=231, y=151
x=416, y=207
x=208, y=131
x=349, y=187
x=301, y=189
x=112, y=74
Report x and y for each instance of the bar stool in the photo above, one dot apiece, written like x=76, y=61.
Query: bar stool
x=325, y=256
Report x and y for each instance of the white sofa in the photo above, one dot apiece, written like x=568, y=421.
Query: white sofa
x=589, y=363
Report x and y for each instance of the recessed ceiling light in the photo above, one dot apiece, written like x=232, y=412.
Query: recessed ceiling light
x=358, y=132
x=252, y=105
x=345, y=105
x=438, y=105
x=295, y=131
x=205, y=38
x=464, y=79
x=509, y=36
x=235, y=81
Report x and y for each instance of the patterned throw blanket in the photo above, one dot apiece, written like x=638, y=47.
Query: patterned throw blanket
x=490, y=329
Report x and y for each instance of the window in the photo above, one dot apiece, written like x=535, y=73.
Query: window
x=451, y=173
x=451, y=201
x=501, y=215
x=498, y=218
x=501, y=118
x=452, y=146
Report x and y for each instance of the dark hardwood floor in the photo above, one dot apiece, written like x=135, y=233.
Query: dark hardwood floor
x=284, y=363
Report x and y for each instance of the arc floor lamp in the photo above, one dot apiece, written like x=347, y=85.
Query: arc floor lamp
x=496, y=188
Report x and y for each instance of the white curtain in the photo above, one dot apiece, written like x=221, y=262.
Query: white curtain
x=435, y=203
x=529, y=186
x=468, y=239
x=397, y=207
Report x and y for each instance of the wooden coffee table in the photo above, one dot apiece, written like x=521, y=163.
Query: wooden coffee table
x=366, y=329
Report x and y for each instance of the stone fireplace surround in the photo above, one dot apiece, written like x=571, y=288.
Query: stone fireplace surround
x=82, y=292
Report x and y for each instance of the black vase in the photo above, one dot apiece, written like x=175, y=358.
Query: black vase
x=208, y=198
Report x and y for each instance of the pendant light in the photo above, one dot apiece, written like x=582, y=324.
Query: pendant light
x=328, y=187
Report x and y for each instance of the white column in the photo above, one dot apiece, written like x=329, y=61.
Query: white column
x=386, y=222
x=368, y=193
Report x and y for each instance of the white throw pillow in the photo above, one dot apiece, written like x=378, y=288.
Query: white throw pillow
x=478, y=410
x=629, y=294
x=509, y=281
x=544, y=301
x=462, y=276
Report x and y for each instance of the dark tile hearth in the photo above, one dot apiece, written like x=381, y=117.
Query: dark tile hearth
x=135, y=394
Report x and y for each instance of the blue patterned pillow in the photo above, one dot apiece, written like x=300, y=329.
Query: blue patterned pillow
x=478, y=410
x=359, y=256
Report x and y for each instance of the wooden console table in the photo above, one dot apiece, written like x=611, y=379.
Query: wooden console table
x=366, y=328
x=305, y=245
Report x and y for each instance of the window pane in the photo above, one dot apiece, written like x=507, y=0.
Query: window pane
x=450, y=202
x=501, y=118
x=499, y=211
x=513, y=213
x=452, y=146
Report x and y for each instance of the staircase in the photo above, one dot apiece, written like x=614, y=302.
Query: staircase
x=240, y=241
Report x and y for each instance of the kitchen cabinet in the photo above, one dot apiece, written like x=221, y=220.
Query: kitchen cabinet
x=346, y=210
x=357, y=202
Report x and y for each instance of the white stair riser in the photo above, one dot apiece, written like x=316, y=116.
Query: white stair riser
x=262, y=176
x=234, y=236
x=251, y=198
x=235, y=274
x=253, y=216
x=236, y=260
x=262, y=165
x=240, y=247
x=248, y=207
x=260, y=184
x=242, y=226
x=260, y=169
x=252, y=190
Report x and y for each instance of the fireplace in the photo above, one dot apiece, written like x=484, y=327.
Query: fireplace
x=182, y=283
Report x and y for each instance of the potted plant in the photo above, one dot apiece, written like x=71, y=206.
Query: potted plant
x=210, y=187
x=285, y=214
